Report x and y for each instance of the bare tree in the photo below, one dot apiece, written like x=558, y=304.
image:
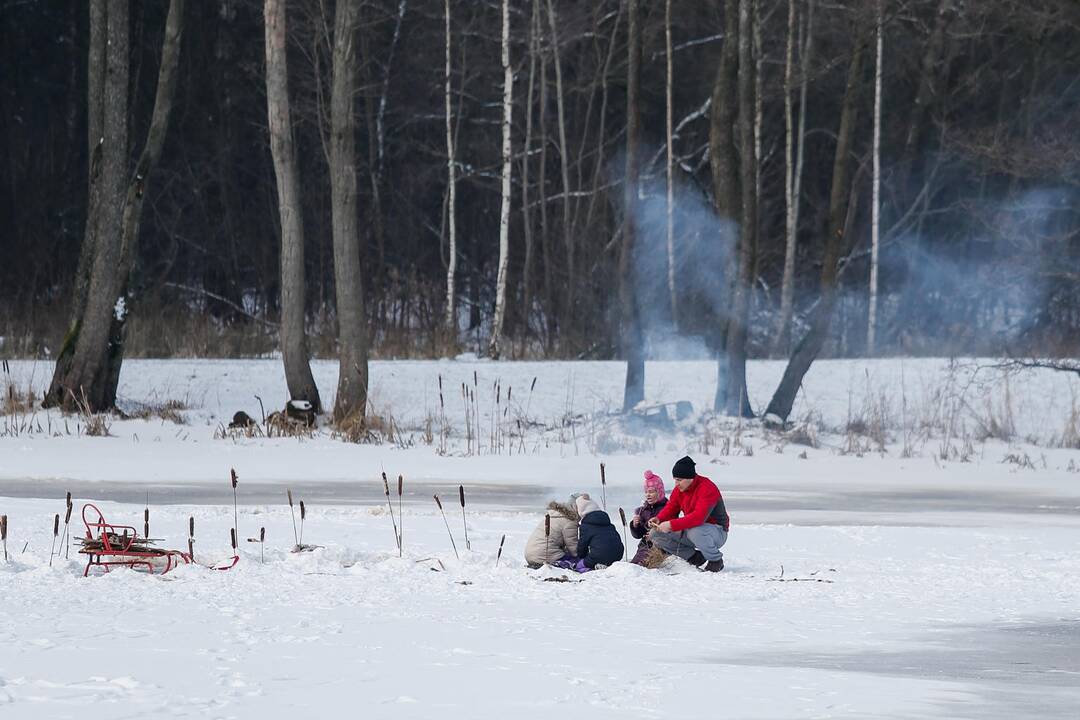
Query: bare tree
x=507, y=169
x=351, y=399
x=670, y=171
x=795, y=145
x=88, y=369
x=875, y=226
x=737, y=401
x=723, y=162
x=526, y=161
x=630, y=337
x=836, y=242
x=564, y=165
x=451, y=264
x=294, y=349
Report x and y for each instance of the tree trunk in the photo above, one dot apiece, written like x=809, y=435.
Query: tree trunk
x=630, y=327
x=736, y=399
x=568, y=238
x=670, y=173
x=835, y=242
x=83, y=380
x=450, y=319
x=794, y=173
x=352, y=388
x=927, y=79
x=507, y=168
x=871, y=324
x=294, y=349
x=723, y=163
x=57, y=393
x=526, y=212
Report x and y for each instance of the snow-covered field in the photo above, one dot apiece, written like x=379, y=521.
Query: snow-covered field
x=940, y=581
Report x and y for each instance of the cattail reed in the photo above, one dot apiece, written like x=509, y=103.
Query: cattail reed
x=447, y=523
x=303, y=515
x=401, y=515
x=67, y=523
x=146, y=522
x=55, y=532
x=603, y=486
x=262, y=545
x=547, y=535
x=386, y=490
x=3, y=534
x=233, y=478
x=464, y=523
x=191, y=537
x=296, y=538
x=232, y=537
x=622, y=516
x=499, y=554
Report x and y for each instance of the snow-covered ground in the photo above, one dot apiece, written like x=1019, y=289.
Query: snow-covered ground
x=943, y=581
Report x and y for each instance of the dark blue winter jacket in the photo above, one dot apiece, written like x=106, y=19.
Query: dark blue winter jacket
x=598, y=540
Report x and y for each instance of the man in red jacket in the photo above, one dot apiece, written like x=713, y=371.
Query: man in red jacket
x=702, y=530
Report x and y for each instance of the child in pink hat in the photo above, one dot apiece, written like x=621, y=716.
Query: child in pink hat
x=655, y=500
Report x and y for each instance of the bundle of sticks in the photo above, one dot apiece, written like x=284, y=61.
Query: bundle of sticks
x=118, y=541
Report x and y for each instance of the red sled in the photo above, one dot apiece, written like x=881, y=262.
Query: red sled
x=107, y=545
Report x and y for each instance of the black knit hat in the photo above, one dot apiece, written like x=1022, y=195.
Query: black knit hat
x=684, y=468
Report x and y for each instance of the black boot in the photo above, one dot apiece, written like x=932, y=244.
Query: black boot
x=714, y=565
x=697, y=559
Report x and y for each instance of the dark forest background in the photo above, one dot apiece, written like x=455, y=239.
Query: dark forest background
x=980, y=224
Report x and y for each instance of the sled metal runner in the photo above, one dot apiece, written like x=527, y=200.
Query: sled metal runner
x=107, y=545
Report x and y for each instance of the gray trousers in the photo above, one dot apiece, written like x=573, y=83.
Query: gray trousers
x=707, y=538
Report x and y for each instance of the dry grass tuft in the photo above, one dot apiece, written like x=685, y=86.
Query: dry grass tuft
x=168, y=411
x=654, y=559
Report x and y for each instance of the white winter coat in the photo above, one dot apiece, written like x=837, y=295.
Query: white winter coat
x=563, y=539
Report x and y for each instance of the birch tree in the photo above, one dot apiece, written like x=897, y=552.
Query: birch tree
x=294, y=350
x=351, y=399
x=504, y=213
x=875, y=227
x=670, y=173
x=451, y=264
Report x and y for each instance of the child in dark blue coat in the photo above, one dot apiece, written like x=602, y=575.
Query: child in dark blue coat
x=598, y=540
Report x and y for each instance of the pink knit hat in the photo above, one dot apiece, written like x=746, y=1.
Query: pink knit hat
x=654, y=482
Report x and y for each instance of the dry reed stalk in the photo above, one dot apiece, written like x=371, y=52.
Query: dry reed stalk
x=191, y=537
x=603, y=486
x=464, y=523
x=447, y=523
x=401, y=516
x=146, y=522
x=55, y=532
x=233, y=478
x=386, y=490
x=622, y=516
x=296, y=538
x=499, y=554
x=303, y=515
x=262, y=545
x=3, y=534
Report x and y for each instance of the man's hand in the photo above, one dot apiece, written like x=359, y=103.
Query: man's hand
x=663, y=527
